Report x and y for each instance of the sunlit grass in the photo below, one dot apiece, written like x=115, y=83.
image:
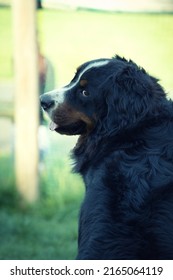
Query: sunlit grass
x=81, y=36
x=6, y=45
x=69, y=38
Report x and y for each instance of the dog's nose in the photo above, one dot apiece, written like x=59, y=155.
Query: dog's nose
x=46, y=102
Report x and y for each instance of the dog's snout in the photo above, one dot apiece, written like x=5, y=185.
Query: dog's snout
x=46, y=102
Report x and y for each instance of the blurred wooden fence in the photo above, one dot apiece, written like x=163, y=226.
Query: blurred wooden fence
x=113, y=5
x=109, y=5
x=25, y=108
x=26, y=98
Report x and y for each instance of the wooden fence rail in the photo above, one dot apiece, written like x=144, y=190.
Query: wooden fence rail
x=26, y=112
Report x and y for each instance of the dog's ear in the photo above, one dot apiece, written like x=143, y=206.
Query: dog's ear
x=136, y=81
x=131, y=95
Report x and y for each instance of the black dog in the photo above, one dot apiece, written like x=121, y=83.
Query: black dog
x=125, y=155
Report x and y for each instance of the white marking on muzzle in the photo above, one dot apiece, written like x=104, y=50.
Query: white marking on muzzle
x=58, y=95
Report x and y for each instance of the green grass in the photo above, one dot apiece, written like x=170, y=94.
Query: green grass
x=48, y=229
x=6, y=49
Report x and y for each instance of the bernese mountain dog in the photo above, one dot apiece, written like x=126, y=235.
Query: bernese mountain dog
x=125, y=155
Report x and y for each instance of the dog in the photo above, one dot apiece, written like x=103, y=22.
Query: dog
x=125, y=155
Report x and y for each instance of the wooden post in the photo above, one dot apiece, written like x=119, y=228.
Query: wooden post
x=26, y=98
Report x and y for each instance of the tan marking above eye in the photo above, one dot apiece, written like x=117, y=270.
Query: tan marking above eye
x=83, y=83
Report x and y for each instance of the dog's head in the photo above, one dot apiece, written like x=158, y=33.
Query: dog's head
x=105, y=94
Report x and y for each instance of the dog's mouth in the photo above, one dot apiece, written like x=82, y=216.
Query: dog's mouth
x=76, y=128
x=53, y=126
x=67, y=120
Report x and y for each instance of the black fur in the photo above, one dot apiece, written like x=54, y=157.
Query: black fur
x=126, y=161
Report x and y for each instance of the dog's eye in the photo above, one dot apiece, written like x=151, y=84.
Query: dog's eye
x=85, y=93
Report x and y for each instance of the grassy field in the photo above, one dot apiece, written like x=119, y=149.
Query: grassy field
x=48, y=230
x=68, y=38
x=82, y=36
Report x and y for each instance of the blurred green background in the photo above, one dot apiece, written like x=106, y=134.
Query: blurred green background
x=48, y=229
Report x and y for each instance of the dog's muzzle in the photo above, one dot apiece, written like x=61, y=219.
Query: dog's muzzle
x=51, y=99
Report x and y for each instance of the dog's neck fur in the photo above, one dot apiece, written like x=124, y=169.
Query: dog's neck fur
x=126, y=139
